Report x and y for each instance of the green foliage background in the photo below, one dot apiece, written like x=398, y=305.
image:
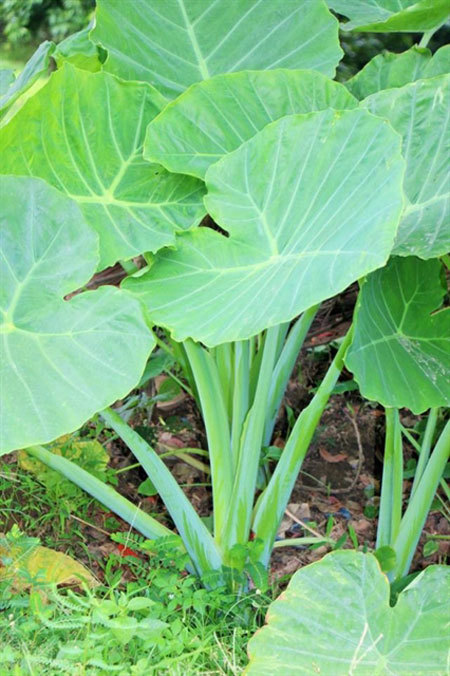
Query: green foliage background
x=25, y=23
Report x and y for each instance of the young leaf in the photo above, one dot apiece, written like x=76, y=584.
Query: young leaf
x=348, y=626
x=422, y=105
x=311, y=203
x=83, y=133
x=215, y=117
x=62, y=361
x=174, y=43
x=400, y=352
x=379, y=16
x=389, y=70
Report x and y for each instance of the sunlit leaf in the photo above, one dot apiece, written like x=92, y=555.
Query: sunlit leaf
x=62, y=361
x=392, y=15
x=83, y=133
x=36, y=67
x=216, y=116
x=420, y=112
x=310, y=197
x=388, y=70
x=174, y=43
x=400, y=353
x=335, y=618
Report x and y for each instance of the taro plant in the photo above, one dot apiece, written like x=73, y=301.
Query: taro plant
x=176, y=110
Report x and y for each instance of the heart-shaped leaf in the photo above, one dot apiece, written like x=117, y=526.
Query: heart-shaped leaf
x=215, y=117
x=62, y=361
x=419, y=106
x=389, y=70
x=83, y=133
x=174, y=43
x=310, y=197
x=379, y=16
x=335, y=618
x=400, y=353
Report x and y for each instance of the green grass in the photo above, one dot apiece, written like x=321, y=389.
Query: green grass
x=162, y=622
x=146, y=617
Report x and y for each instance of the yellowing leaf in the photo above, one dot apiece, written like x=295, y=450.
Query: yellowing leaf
x=40, y=565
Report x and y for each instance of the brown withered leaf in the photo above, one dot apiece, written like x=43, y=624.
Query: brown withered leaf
x=329, y=457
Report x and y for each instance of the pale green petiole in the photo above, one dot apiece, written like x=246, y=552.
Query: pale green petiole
x=272, y=503
x=419, y=505
x=391, y=487
x=108, y=496
x=215, y=417
x=240, y=508
x=196, y=537
x=425, y=447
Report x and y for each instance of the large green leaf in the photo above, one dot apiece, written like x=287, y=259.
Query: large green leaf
x=420, y=112
x=174, y=43
x=61, y=361
x=37, y=66
x=392, y=15
x=310, y=203
x=216, y=116
x=400, y=353
x=334, y=619
x=389, y=70
x=83, y=133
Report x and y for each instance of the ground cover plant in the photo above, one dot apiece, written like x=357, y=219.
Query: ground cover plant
x=240, y=187
x=159, y=621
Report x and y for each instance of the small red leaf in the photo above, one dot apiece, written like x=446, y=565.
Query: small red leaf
x=126, y=551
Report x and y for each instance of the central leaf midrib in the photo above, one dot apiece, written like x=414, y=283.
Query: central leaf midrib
x=203, y=68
